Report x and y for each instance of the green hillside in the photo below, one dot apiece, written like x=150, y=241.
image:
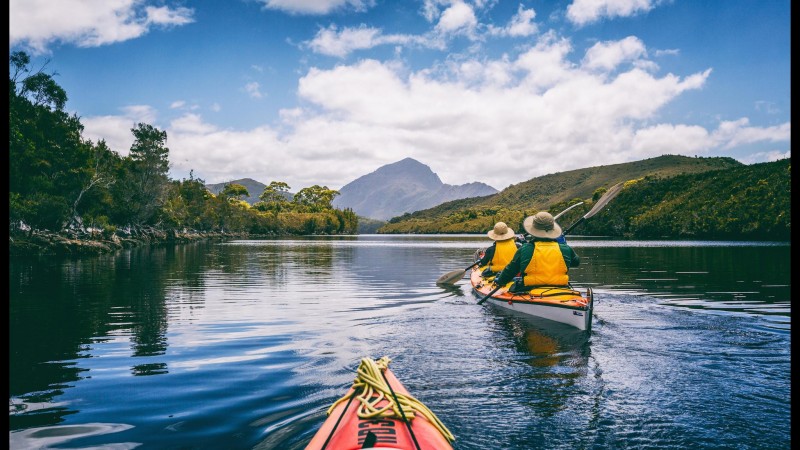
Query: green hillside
x=473, y=215
x=751, y=202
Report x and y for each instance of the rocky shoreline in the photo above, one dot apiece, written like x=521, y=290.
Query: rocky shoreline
x=65, y=243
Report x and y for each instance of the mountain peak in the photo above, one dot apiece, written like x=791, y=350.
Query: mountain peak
x=410, y=168
x=404, y=186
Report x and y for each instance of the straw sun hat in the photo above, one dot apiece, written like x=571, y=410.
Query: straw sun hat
x=501, y=232
x=542, y=225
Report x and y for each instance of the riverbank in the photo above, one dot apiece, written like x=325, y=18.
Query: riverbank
x=66, y=243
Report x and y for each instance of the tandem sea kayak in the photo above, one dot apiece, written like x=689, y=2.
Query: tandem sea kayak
x=378, y=412
x=557, y=303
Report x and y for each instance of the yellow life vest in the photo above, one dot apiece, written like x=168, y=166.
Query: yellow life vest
x=503, y=253
x=547, y=266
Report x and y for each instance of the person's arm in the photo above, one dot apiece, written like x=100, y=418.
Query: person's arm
x=487, y=255
x=511, y=270
x=574, y=259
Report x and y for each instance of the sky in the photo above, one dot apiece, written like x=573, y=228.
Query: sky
x=322, y=92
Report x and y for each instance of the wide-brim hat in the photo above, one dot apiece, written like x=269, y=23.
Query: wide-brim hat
x=501, y=232
x=542, y=225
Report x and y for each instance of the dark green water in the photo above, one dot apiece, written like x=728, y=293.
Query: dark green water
x=245, y=344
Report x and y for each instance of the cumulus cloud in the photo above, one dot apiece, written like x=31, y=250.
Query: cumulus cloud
x=501, y=120
x=459, y=18
x=761, y=157
x=36, y=24
x=116, y=130
x=582, y=12
x=334, y=42
x=521, y=24
x=731, y=134
x=608, y=55
x=316, y=7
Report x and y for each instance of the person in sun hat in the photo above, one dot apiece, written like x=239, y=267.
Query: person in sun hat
x=543, y=260
x=501, y=251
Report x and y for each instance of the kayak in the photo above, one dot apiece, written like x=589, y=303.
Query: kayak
x=557, y=303
x=378, y=412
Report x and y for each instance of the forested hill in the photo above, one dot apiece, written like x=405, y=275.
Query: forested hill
x=749, y=202
x=670, y=181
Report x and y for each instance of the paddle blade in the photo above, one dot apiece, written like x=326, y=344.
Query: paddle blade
x=451, y=277
x=607, y=197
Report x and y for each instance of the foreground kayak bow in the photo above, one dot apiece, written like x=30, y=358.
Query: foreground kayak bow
x=378, y=412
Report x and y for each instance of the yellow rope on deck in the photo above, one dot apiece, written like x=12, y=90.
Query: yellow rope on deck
x=373, y=388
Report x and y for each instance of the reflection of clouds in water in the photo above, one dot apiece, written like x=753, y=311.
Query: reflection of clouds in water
x=18, y=405
x=52, y=437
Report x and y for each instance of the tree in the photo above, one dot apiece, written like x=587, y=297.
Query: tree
x=49, y=161
x=150, y=165
x=234, y=191
x=273, y=198
x=39, y=87
x=104, y=161
x=315, y=198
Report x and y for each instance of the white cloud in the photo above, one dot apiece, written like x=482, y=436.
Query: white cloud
x=521, y=24
x=116, y=130
x=770, y=156
x=316, y=7
x=168, y=17
x=37, y=24
x=608, y=55
x=253, y=89
x=670, y=139
x=736, y=133
x=459, y=18
x=500, y=121
x=330, y=41
x=582, y=12
x=340, y=43
x=430, y=9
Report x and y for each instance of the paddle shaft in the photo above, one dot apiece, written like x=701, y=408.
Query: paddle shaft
x=569, y=228
x=601, y=203
x=489, y=294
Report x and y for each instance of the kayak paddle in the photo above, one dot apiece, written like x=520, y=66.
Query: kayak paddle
x=610, y=194
x=607, y=197
x=452, y=277
x=562, y=212
x=490, y=294
x=455, y=275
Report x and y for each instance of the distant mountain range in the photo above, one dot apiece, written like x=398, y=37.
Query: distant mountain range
x=402, y=187
x=392, y=190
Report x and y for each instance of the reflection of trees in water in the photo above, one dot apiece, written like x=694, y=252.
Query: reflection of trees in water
x=59, y=308
x=259, y=262
x=759, y=273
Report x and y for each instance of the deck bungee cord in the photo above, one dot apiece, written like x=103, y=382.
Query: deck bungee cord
x=371, y=388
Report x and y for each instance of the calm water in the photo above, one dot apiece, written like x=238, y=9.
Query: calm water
x=245, y=344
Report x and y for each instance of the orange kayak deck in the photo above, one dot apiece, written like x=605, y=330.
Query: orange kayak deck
x=558, y=303
x=344, y=429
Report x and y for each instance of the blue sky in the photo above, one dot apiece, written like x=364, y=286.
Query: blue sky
x=325, y=91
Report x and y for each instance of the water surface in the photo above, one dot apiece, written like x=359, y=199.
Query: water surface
x=244, y=344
